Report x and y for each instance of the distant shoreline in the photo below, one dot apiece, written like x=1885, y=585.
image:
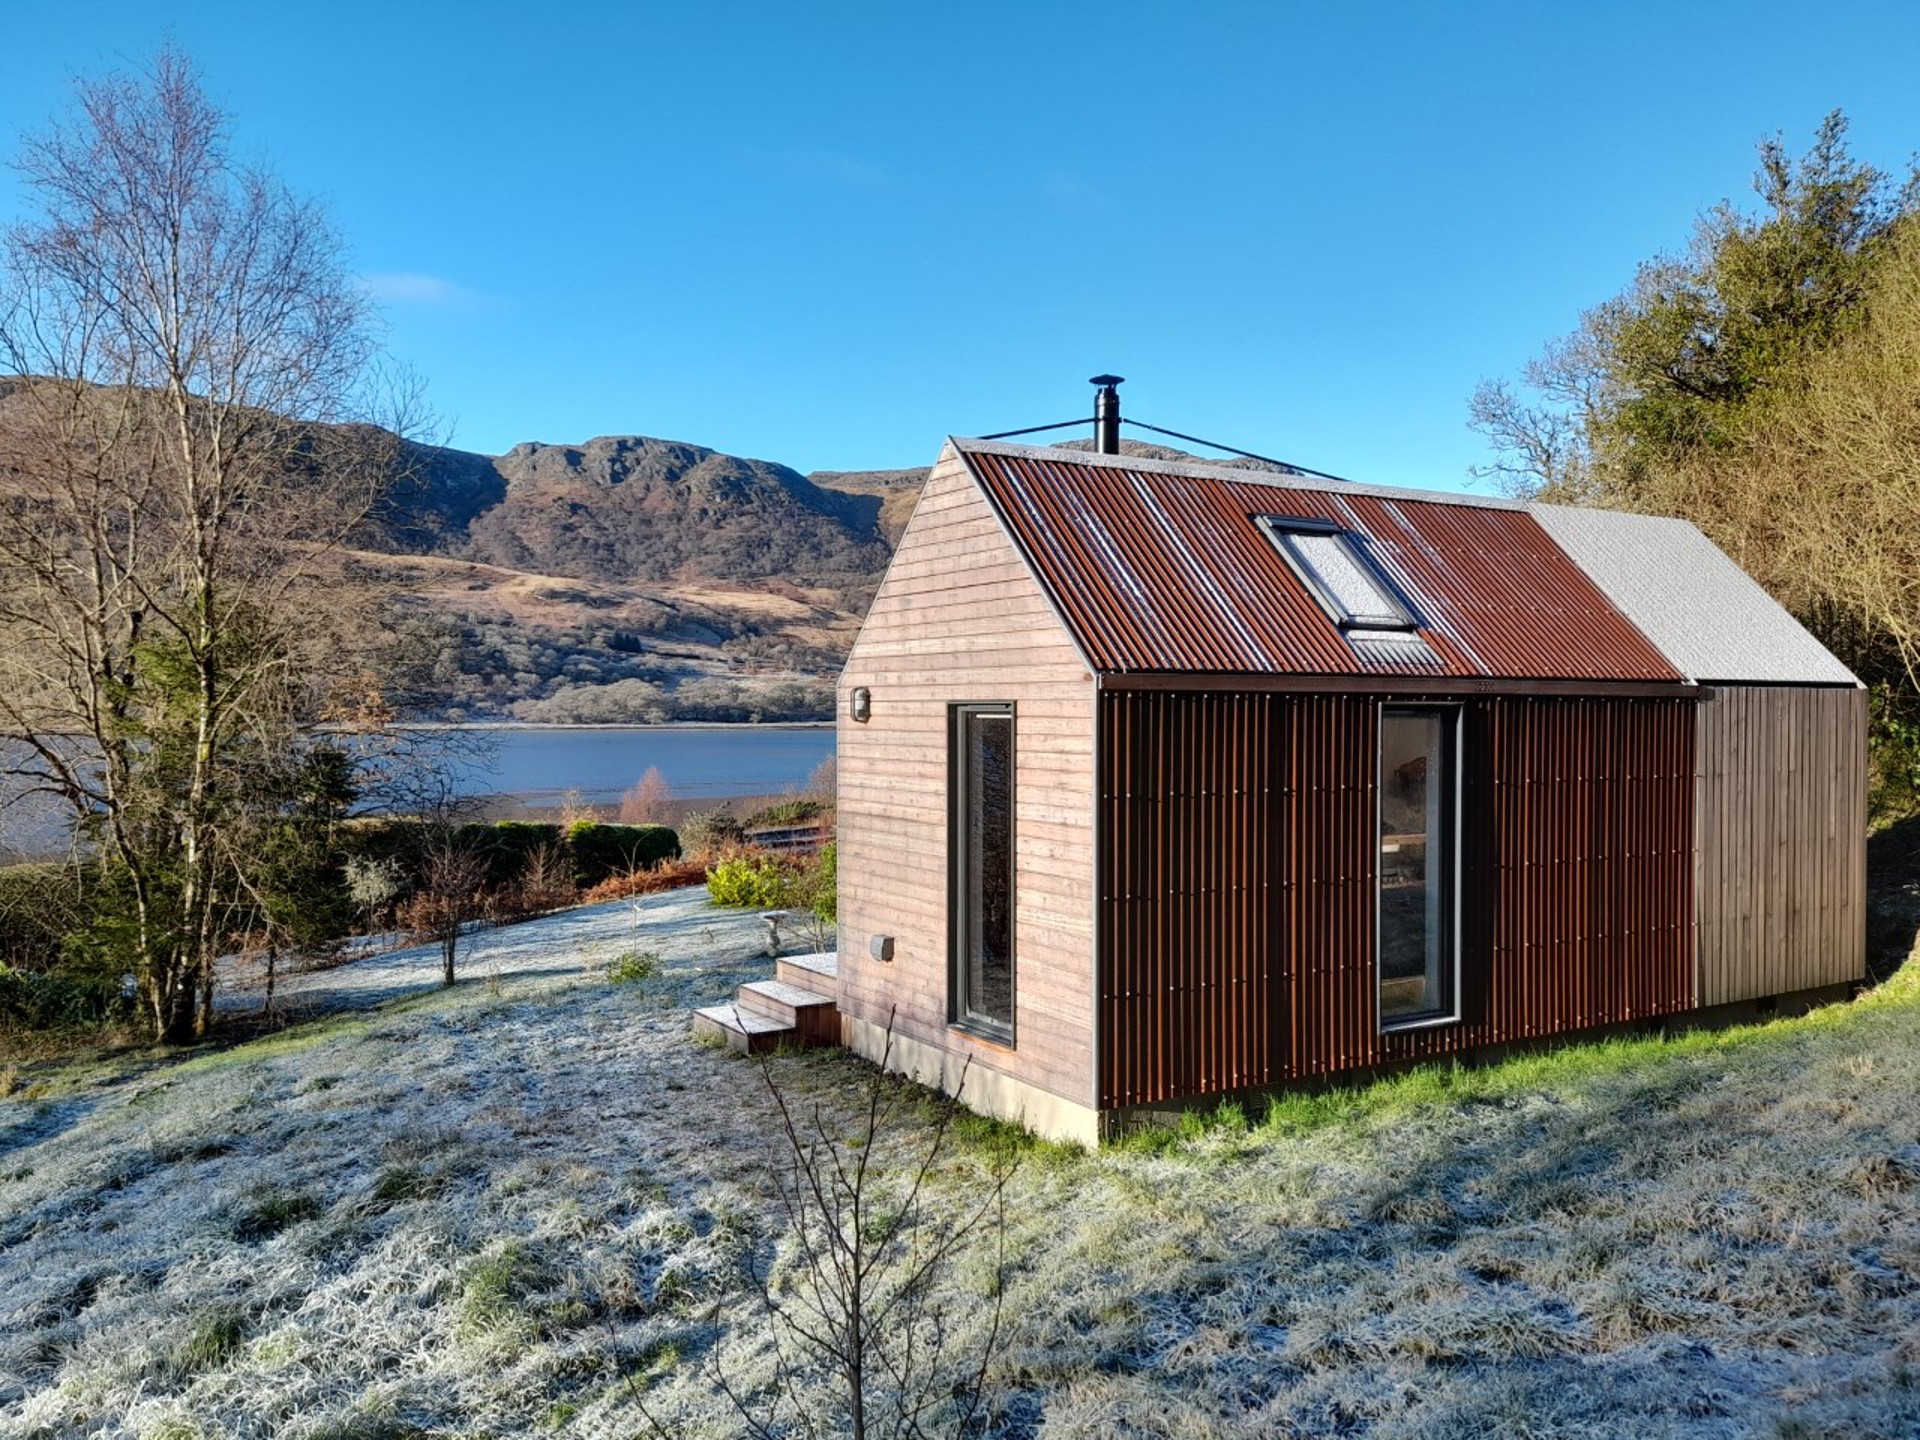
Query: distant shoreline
x=616, y=725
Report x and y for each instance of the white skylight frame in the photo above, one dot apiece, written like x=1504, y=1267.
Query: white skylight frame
x=1340, y=573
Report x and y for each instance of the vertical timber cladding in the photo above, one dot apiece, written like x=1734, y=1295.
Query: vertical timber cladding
x=1782, y=826
x=1237, y=882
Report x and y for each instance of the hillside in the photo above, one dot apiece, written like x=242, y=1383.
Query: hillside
x=529, y=1204
x=632, y=509
x=628, y=578
x=622, y=579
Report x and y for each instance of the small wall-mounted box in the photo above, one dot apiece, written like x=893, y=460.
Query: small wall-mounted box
x=881, y=947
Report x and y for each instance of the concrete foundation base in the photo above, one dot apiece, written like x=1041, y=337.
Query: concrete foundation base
x=984, y=1090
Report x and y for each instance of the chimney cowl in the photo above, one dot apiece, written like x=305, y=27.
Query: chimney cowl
x=1106, y=414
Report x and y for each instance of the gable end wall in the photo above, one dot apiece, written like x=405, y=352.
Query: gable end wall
x=960, y=618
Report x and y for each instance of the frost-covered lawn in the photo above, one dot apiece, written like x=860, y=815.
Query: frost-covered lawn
x=504, y=1209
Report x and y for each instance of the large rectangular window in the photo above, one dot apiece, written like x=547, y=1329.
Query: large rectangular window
x=1419, y=865
x=981, y=845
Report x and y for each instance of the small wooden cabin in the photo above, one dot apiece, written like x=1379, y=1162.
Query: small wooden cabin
x=1162, y=783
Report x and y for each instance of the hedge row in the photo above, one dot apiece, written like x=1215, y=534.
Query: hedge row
x=592, y=850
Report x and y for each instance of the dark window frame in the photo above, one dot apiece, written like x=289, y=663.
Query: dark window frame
x=1452, y=1011
x=1401, y=614
x=960, y=1014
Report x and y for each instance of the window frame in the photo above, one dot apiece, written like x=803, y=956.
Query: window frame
x=961, y=919
x=1451, y=1011
x=1281, y=529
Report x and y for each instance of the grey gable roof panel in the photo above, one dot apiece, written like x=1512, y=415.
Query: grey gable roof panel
x=1706, y=614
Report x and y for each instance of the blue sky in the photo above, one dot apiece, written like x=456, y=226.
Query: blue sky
x=830, y=234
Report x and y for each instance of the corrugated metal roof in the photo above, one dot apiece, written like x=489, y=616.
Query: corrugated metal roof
x=1161, y=568
x=1707, y=615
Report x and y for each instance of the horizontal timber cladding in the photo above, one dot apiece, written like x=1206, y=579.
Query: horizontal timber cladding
x=1236, y=887
x=959, y=619
x=1782, y=826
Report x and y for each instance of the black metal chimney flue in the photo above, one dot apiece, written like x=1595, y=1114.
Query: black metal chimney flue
x=1106, y=414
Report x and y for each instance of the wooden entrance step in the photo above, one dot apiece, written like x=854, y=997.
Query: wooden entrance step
x=796, y=1008
x=740, y=1029
x=813, y=1017
x=819, y=971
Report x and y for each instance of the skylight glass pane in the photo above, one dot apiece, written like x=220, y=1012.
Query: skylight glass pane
x=1347, y=583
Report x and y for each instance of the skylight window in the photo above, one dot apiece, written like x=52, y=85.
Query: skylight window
x=1335, y=567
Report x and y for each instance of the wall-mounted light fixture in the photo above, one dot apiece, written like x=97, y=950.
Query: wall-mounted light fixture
x=861, y=706
x=880, y=947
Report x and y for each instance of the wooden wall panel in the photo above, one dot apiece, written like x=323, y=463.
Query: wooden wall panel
x=1237, y=886
x=960, y=618
x=1782, y=840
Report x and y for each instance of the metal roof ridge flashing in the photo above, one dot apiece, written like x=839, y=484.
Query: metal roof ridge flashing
x=1201, y=470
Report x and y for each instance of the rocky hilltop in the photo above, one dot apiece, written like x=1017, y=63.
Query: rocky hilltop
x=632, y=508
x=628, y=578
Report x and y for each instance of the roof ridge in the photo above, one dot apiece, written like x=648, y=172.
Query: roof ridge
x=1201, y=470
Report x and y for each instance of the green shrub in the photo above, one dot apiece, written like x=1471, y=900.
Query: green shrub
x=818, y=886
x=506, y=847
x=61, y=999
x=751, y=882
x=1893, y=754
x=39, y=905
x=600, y=850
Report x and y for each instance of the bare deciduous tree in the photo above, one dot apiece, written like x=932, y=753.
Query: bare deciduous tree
x=824, y=783
x=647, y=802
x=449, y=897
x=875, y=1235
x=177, y=475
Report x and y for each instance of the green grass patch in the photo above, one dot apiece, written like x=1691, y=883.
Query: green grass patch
x=498, y=1291
x=295, y=1040
x=1659, y=1068
x=398, y=1184
x=216, y=1334
x=267, y=1212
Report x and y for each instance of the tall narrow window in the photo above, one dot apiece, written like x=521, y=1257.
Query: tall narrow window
x=982, y=857
x=1419, y=876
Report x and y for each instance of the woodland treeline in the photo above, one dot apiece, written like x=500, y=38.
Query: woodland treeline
x=1763, y=383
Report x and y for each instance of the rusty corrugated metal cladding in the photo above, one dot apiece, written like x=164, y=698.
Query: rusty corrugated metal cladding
x=1236, y=883
x=1158, y=570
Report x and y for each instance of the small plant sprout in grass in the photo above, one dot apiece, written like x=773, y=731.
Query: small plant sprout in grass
x=633, y=967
